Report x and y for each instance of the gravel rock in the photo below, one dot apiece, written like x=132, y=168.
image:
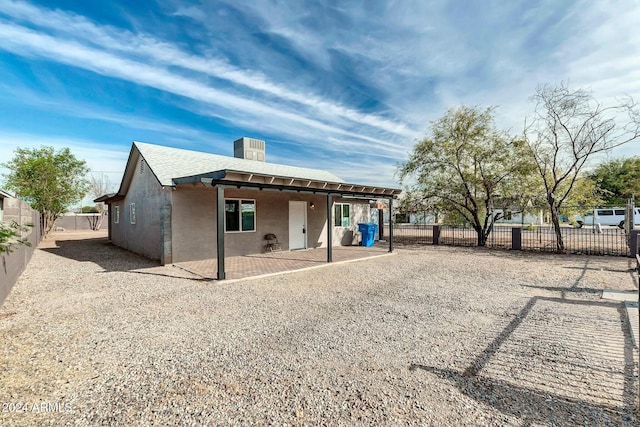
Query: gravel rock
x=94, y=335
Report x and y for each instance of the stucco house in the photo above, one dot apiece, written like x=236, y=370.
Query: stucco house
x=515, y=216
x=178, y=205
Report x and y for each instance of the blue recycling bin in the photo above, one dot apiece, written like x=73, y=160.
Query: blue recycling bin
x=368, y=232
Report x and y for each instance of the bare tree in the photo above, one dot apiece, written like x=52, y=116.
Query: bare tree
x=567, y=129
x=99, y=187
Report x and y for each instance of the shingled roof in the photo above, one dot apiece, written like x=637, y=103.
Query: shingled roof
x=168, y=163
x=173, y=167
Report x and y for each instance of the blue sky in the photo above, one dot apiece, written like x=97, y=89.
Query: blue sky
x=343, y=86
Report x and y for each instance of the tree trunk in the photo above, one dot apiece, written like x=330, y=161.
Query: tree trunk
x=555, y=220
x=49, y=220
x=482, y=236
x=99, y=221
x=93, y=222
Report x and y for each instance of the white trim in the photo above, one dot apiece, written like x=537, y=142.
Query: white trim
x=132, y=213
x=341, y=215
x=304, y=222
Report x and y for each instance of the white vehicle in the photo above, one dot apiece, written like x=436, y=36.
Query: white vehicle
x=607, y=216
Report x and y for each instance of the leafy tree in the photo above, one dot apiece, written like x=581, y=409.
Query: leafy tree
x=466, y=166
x=568, y=127
x=584, y=196
x=619, y=179
x=47, y=179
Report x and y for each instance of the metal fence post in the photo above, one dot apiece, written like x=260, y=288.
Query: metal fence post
x=516, y=238
x=436, y=235
x=633, y=243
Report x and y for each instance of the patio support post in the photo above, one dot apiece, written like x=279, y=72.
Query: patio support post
x=329, y=230
x=220, y=231
x=390, y=224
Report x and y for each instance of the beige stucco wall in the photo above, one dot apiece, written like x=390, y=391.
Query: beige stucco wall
x=145, y=236
x=13, y=264
x=359, y=212
x=193, y=222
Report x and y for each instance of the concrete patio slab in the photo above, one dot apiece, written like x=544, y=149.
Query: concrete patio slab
x=620, y=295
x=267, y=264
x=630, y=299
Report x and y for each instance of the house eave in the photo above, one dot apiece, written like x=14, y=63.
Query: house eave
x=253, y=181
x=108, y=198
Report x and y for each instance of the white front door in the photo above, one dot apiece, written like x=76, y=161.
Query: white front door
x=297, y=225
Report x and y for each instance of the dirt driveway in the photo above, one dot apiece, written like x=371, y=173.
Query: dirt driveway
x=93, y=335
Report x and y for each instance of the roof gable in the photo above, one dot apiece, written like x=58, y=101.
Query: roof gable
x=168, y=163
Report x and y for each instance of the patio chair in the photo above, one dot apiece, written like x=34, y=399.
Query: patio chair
x=272, y=243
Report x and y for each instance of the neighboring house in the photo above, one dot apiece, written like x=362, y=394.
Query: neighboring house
x=3, y=195
x=516, y=217
x=418, y=217
x=177, y=205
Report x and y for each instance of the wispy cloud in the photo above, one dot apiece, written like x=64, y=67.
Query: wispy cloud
x=23, y=41
x=148, y=49
x=346, y=84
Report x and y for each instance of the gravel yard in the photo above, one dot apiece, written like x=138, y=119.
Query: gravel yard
x=93, y=335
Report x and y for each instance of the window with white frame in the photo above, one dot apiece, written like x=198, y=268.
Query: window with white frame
x=132, y=213
x=341, y=215
x=116, y=214
x=239, y=215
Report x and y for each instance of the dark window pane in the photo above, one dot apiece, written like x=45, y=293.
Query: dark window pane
x=337, y=215
x=345, y=215
x=607, y=212
x=619, y=211
x=248, y=215
x=232, y=215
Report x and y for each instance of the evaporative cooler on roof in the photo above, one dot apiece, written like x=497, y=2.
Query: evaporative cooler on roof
x=249, y=148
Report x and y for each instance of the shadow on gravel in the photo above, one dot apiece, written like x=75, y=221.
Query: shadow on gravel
x=108, y=256
x=534, y=404
x=564, y=290
x=100, y=251
x=530, y=405
x=613, y=270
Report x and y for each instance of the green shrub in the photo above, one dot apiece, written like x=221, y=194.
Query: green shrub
x=90, y=209
x=10, y=236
